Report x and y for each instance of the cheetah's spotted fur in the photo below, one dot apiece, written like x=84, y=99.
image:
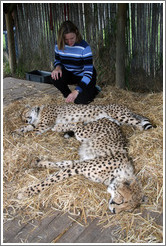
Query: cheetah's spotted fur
x=42, y=119
x=103, y=153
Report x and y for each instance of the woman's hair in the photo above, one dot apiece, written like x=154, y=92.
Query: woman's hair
x=65, y=28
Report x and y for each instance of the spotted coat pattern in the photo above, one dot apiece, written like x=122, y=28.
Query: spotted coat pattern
x=43, y=118
x=103, y=158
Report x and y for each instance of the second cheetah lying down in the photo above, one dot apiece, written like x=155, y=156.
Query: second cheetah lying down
x=103, y=158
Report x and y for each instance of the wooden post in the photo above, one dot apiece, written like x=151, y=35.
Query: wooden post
x=121, y=46
x=87, y=22
x=11, y=42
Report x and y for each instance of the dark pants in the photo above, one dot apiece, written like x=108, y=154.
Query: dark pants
x=89, y=91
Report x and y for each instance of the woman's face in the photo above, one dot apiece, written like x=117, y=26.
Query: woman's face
x=70, y=38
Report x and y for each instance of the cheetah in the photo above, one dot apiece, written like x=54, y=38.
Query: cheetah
x=103, y=158
x=43, y=118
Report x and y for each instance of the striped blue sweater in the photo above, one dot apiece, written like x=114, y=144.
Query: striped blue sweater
x=77, y=59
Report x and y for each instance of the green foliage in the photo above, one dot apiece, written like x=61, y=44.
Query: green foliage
x=6, y=69
x=20, y=71
x=4, y=43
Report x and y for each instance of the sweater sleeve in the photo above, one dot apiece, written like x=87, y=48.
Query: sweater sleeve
x=88, y=68
x=88, y=65
x=57, y=57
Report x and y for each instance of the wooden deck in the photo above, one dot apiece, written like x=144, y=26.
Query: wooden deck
x=17, y=89
x=57, y=227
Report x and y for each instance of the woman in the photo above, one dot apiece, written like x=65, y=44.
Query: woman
x=74, y=65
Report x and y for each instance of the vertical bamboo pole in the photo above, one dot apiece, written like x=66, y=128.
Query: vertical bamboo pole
x=11, y=42
x=120, y=46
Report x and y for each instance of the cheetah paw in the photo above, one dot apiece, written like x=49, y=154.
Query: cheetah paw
x=40, y=163
x=22, y=195
x=36, y=162
x=17, y=132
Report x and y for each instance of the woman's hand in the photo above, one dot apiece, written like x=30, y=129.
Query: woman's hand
x=56, y=73
x=72, y=96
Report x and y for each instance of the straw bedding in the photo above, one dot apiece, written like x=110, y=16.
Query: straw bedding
x=77, y=195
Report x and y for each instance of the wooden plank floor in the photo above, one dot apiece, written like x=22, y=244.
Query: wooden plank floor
x=57, y=227
x=17, y=89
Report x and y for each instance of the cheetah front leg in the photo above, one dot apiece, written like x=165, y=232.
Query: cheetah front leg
x=88, y=169
x=24, y=129
x=54, y=165
x=42, y=128
x=54, y=178
x=28, y=128
x=73, y=168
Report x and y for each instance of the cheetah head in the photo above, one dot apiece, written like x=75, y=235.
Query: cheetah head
x=30, y=114
x=126, y=195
